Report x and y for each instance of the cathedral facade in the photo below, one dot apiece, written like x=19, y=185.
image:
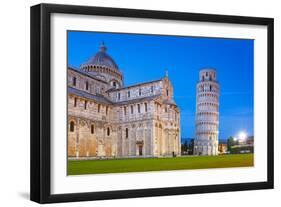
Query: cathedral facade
x=107, y=119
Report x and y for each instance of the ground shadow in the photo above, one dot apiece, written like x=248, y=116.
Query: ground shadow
x=24, y=195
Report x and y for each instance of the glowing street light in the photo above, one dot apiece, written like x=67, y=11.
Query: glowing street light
x=242, y=136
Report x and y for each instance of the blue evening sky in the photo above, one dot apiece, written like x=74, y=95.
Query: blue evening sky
x=144, y=58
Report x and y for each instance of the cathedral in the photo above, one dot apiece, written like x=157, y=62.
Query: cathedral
x=107, y=119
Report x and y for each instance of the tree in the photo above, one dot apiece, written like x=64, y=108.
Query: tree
x=191, y=146
x=230, y=143
x=184, y=147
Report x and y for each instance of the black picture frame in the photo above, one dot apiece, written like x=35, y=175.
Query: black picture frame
x=41, y=99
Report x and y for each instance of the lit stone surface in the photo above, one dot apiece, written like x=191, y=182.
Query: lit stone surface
x=207, y=114
x=106, y=119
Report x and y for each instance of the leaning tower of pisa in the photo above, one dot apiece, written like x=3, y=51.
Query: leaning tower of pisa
x=207, y=113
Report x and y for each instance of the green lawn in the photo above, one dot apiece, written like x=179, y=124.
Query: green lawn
x=156, y=164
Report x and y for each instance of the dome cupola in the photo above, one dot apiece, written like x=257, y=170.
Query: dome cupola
x=102, y=59
x=102, y=66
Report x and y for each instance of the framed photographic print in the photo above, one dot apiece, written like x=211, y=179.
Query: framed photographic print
x=133, y=103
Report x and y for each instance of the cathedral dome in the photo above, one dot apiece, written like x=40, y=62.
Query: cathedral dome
x=102, y=59
x=103, y=67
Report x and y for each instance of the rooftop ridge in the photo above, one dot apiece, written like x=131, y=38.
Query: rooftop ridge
x=84, y=73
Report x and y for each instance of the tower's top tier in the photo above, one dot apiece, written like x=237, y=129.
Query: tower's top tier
x=207, y=74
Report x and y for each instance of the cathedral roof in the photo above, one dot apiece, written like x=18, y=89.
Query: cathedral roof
x=86, y=74
x=136, y=100
x=102, y=99
x=84, y=94
x=132, y=86
x=169, y=102
x=101, y=58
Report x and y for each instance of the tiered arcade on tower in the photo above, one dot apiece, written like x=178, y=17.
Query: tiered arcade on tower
x=207, y=113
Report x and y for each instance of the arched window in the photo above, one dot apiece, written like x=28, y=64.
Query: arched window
x=118, y=96
x=129, y=94
x=106, y=110
x=74, y=81
x=75, y=102
x=114, y=84
x=127, y=132
x=151, y=88
x=145, y=107
x=138, y=108
x=72, y=125
x=92, y=129
x=167, y=92
x=125, y=110
x=87, y=85
x=132, y=109
x=108, y=131
x=98, y=108
x=85, y=104
x=139, y=91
